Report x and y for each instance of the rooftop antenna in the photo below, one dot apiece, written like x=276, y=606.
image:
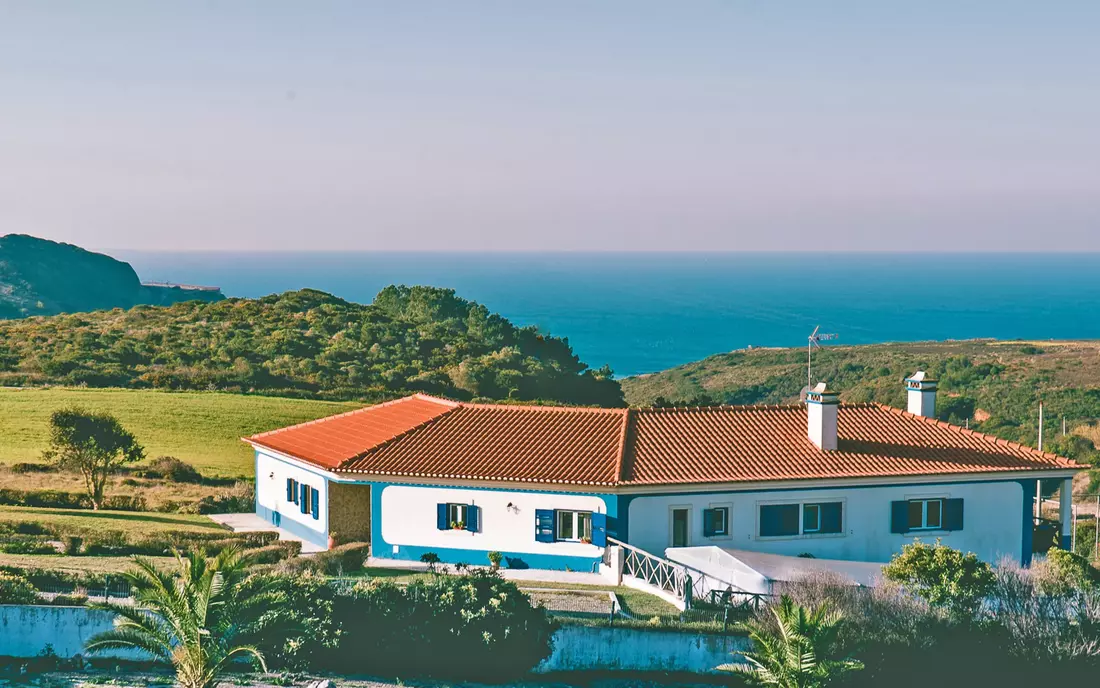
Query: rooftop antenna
x=815, y=340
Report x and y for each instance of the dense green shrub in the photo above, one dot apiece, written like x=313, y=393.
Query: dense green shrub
x=475, y=626
x=944, y=577
x=15, y=589
x=33, y=468
x=273, y=554
x=1065, y=573
x=299, y=628
x=60, y=499
x=27, y=546
x=69, y=600
x=338, y=561
x=172, y=469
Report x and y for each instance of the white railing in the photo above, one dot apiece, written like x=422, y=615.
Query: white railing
x=681, y=582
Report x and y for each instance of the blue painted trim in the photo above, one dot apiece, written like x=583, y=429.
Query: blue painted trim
x=412, y=552
x=678, y=493
x=1028, y=488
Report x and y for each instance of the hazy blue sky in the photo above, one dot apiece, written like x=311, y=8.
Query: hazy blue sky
x=552, y=125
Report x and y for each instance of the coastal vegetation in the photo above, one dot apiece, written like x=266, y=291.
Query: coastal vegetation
x=308, y=344
x=991, y=386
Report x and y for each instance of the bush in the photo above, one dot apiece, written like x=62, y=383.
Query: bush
x=299, y=628
x=476, y=626
x=16, y=589
x=33, y=468
x=58, y=499
x=338, y=561
x=172, y=469
x=27, y=547
x=69, y=600
x=273, y=554
x=944, y=577
x=73, y=545
x=1065, y=573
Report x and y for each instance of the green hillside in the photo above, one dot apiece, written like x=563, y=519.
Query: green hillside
x=995, y=386
x=201, y=428
x=305, y=343
x=41, y=277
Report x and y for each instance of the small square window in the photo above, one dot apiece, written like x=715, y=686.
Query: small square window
x=925, y=514
x=574, y=525
x=716, y=521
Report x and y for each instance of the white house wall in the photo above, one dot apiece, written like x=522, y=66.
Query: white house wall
x=271, y=476
x=992, y=521
x=409, y=519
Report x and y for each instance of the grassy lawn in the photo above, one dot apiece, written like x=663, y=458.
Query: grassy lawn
x=76, y=521
x=46, y=562
x=201, y=428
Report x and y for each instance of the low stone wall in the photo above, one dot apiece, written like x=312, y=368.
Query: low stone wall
x=581, y=648
x=26, y=630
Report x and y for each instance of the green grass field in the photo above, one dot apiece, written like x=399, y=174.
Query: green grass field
x=201, y=428
x=76, y=521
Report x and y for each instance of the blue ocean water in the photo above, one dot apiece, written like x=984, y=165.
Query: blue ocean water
x=642, y=312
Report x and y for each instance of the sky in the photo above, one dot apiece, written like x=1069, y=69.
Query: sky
x=568, y=125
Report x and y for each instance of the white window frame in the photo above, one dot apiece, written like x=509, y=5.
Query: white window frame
x=728, y=508
x=576, y=522
x=802, y=504
x=816, y=506
x=924, y=501
x=457, y=509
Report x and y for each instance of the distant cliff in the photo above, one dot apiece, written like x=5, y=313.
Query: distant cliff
x=41, y=277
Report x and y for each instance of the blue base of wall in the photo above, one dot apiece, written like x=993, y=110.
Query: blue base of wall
x=293, y=527
x=512, y=560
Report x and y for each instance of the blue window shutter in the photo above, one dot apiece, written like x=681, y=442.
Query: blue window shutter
x=832, y=514
x=315, y=502
x=290, y=489
x=473, y=518
x=544, y=525
x=899, y=517
x=952, y=514
x=708, y=522
x=304, y=498
x=441, y=517
x=599, y=530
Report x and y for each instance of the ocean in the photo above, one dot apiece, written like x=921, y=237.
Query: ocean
x=643, y=312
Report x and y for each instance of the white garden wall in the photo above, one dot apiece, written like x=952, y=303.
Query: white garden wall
x=993, y=521
x=26, y=630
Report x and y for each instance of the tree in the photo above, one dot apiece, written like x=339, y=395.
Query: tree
x=94, y=444
x=797, y=647
x=193, y=617
x=944, y=577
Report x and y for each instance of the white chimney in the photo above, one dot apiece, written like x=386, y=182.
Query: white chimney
x=821, y=413
x=922, y=394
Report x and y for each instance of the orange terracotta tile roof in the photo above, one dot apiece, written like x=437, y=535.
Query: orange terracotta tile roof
x=426, y=437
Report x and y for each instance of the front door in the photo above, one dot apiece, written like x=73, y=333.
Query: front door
x=680, y=527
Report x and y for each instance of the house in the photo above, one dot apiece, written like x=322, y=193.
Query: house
x=547, y=486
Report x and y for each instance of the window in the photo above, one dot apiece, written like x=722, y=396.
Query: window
x=456, y=515
x=716, y=521
x=925, y=514
x=789, y=520
x=779, y=520
x=935, y=513
x=811, y=518
x=292, y=490
x=574, y=525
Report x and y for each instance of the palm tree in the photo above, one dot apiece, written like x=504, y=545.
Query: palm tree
x=192, y=617
x=795, y=649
